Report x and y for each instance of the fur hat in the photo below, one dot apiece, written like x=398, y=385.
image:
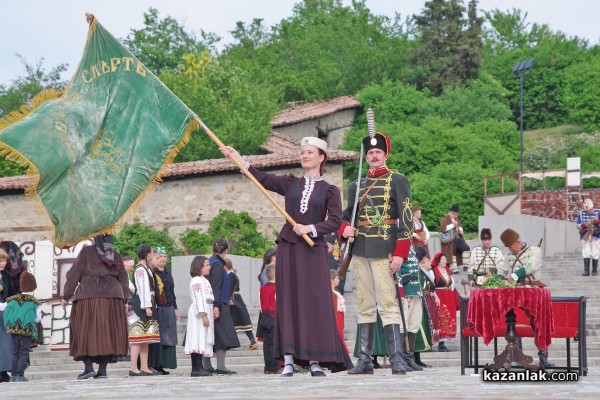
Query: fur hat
x=27, y=282
x=588, y=204
x=486, y=234
x=379, y=141
x=509, y=237
x=321, y=144
x=454, y=208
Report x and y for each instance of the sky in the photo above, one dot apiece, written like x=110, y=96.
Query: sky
x=55, y=30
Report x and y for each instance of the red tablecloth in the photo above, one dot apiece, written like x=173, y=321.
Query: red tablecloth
x=489, y=306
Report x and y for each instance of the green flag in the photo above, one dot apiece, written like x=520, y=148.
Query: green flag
x=97, y=146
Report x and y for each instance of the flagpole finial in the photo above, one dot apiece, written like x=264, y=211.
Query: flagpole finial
x=89, y=17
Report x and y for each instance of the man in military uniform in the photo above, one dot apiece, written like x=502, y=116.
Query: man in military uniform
x=524, y=265
x=588, y=223
x=485, y=260
x=382, y=239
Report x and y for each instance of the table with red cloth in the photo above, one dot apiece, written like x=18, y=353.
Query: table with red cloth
x=488, y=306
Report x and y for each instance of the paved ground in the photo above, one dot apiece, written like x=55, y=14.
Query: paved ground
x=444, y=383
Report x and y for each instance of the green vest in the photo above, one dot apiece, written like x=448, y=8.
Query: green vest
x=20, y=314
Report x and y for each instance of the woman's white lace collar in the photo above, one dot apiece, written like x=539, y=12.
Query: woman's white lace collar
x=309, y=185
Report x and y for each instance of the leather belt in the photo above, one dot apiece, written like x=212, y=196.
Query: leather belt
x=384, y=222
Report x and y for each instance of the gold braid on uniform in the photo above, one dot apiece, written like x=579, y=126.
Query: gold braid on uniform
x=407, y=215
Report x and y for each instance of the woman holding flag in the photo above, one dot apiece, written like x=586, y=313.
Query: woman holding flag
x=305, y=328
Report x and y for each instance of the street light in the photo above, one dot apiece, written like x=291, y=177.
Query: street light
x=521, y=69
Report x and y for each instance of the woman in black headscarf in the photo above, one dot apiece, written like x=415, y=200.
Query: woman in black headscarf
x=98, y=286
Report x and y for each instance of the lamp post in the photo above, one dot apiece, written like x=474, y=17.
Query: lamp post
x=521, y=69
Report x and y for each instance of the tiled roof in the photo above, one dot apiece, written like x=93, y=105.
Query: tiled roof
x=283, y=151
x=313, y=110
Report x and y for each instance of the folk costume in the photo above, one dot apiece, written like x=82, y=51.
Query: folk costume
x=22, y=313
x=451, y=239
x=98, y=286
x=305, y=325
x=588, y=223
x=384, y=228
x=200, y=339
x=6, y=346
x=525, y=267
x=484, y=260
x=412, y=303
x=239, y=311
x=146, y=330
x=444, y=288
x=225, y=335
x=166, y=303
x=267, y=325
x=340, y=312
x=429, y=323
x=420, y=232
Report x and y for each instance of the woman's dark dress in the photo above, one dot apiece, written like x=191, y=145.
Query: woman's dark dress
x=305, y=323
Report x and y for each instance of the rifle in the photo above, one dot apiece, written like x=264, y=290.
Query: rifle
x=343, y=269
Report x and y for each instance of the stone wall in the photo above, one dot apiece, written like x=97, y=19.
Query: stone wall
x=190, y=202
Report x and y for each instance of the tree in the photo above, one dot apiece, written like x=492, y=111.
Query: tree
x=238, y=110
x=161, y=44
x=582, y=93
x=449, y=47
x=323, y=50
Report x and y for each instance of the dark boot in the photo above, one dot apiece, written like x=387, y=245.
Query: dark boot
x=88, y=371
x=4, y=376
x=442, y=347
x=586, y=267
x=419, y=362
x=594, y=267
x=101, y=370
x=366, y=332
x=376, y=364
x=544, y=363
x=393, y=340
x=409, y=355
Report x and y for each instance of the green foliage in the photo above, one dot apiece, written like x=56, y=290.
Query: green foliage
x=161, y=44
x=238, y=110
x=131, y=237
x=582, y=91
x=239, y=229
x=447, y=184
x=449, y=47
x=323, y=50
x=196, y=242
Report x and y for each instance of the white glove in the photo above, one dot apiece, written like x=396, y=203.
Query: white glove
x=2, y=306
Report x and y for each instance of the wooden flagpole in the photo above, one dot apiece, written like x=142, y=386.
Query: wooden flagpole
x=253, y=179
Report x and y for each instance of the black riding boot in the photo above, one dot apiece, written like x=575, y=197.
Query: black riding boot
x=544, y=363
x=366, y=332
x=586, y=267
x=594, y=267
x=393, y=339
x=409, y=355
